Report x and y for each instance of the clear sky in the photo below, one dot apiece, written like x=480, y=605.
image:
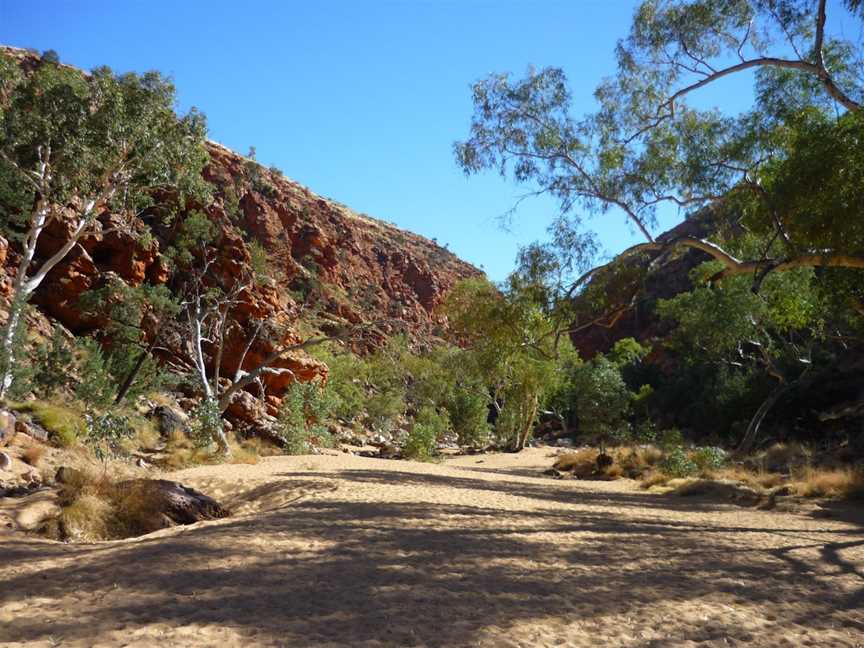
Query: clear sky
x=359, y=100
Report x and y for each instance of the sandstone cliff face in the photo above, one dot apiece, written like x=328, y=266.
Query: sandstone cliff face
x=349, y=267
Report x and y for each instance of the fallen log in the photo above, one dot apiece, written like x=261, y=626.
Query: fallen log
x=175, y=502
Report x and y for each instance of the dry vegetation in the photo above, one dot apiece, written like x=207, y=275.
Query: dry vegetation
x=781, y=468
x=629, y=462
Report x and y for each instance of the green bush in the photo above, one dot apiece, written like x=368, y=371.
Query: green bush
x=602, y=399
x=677, y=463
x=205, y=423
x=104, y=433
x=384, y=408
x=469, y=413
x=51, y=363
x=97, y=385
x=428, y=426
x=671, y=439
x=709, y=458
x=305, y=407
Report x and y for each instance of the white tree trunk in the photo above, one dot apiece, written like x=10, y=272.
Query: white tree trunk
x=24, y=286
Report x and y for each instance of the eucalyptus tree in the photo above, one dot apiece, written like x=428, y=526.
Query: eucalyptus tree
x=74, y=147
x=511, y=350
x=648, y=144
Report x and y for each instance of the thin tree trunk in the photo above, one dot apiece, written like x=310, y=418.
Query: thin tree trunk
x=133, y=373
x=8, y=346
x=752, y=432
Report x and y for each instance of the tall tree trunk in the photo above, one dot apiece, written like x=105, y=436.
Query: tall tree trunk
x=7, y=346
x=133, y=373
x=752, y=433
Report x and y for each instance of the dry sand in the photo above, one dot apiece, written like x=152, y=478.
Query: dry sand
x=478, y=551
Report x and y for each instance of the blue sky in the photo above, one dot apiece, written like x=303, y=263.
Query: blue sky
x=360, y=101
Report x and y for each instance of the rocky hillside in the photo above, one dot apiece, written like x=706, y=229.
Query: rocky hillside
x=629, y=289
x=327, y=259
x=830, y=402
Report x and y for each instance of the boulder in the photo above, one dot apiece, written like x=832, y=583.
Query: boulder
x=32, y=430
x=170, y=420
x=174, y=502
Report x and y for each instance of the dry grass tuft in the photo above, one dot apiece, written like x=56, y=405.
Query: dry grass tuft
x=654, y=478
x=64, y=424
x=33, y=454
x=630, y=462
x=753, y=478
x=581, y=463
x=833, y=482
x=95, y=507
x=783, y=457
x=635, y=462
x=243, y=454
x=85, y=506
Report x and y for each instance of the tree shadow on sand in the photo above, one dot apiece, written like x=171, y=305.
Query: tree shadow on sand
x=433, y=574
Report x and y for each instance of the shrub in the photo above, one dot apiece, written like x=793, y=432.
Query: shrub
x=304, y=409
x=104, y=433
x=96, y=388
x=469, y=415
x=671, y=439
x=51, y=363
x=428, y=426
x=385, y=407
x=645, y=432
x=602, y=398
x=708, y=458
x=677, y=463
x=205, y=423
x=345, y=384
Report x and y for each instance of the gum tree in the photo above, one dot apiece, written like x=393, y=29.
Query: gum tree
x=74, y=147
x=648, y=145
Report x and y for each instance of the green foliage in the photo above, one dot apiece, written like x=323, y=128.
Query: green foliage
x=671, y=439
x=677, y=463
x=193, y=233
x=205, y=423
x=51, y=364
x=709, y=458
x=791, y=164
x=602, y=400
x=260, y=263
x=385, y=408
x=305, y=408
x=127, y=311
x=468, y=408
x=346, y=383
x=428, y=426
x=111, y=136
x=97, y=386
x=50, y=56
x=106, y=432
x=513, y=350
x=627, y=351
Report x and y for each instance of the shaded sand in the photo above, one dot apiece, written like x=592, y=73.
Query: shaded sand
x=479, y=551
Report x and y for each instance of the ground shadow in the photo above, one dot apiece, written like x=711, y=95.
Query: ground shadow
x=334, y=570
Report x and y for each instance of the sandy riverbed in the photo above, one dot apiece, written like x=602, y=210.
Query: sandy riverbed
x=477, y=551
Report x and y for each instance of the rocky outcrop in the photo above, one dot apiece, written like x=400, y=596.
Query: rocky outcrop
x=631, y=287
x=348, y=267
